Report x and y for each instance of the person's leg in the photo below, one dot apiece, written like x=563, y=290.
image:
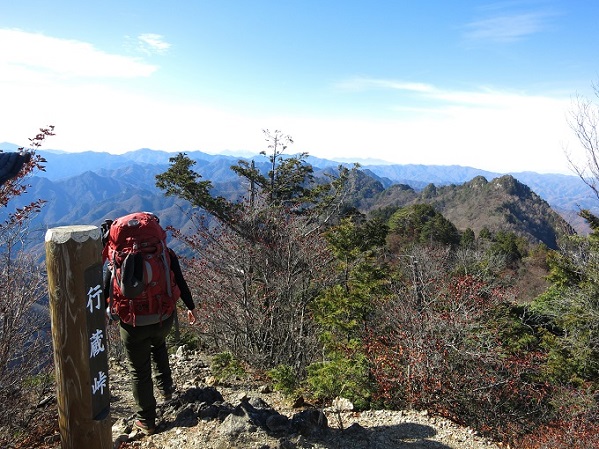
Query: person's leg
x=163, y=375
x=137, y=343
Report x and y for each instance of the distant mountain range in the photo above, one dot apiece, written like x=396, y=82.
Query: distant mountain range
x=87, y=187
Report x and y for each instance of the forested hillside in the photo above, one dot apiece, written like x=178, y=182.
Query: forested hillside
x=501, y=204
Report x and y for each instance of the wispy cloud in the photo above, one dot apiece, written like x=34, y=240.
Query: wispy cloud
x=426, y=100
x=151, y=43
x=475, y=97
x=365, y=83
x=37, y=54
x=503, y=25
x=493, y=128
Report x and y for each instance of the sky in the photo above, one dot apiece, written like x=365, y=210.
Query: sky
x=484, y=84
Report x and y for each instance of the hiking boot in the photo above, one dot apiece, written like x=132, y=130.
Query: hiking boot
x=144, y=427
x=167, y=393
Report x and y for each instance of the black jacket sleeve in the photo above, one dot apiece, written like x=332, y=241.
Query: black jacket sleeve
x=180, y=280
x=106, y=285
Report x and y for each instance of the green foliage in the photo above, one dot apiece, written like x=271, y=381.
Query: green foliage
x=346, y=376
x=485, y=234
x=563, y=270
x=285, y=380
x=38, y=380
x=567, y=356
x=289, y=179
x=572, y=305
x=519, y=329
x=354, y=236
x=187, y=338
x=421, y=223
x=383, y=214
x=467, y=239
x=342, y=309
x=573, y=339
x=181, y=181
x=509, y=245
x=592, y=220
x=400, y=308
x=260, y=265
x=225, y=366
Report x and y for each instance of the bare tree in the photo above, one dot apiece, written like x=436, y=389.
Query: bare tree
x=256, y=294
x=584, y=122
x=25, y=355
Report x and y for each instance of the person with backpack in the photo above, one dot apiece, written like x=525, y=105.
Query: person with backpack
x=142, y=284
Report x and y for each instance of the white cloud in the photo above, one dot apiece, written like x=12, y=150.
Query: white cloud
x=494, y=129
x=485, y=128
x=23, y=52
x=507, y=28
x=491, y=130
x=150, y=43
x=50, y=81
x=527, y=136
x=439, y=99
x=364, y=83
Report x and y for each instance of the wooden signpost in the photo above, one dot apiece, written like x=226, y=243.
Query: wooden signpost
x=77, y=312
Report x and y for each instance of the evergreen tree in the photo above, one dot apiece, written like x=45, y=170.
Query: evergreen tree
x=421, y=223
x=343, y=310
x=261, y=264
x=572, y=304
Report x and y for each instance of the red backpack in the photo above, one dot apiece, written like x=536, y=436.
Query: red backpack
x=142, y=280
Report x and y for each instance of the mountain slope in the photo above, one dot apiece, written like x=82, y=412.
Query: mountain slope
x=503, y=204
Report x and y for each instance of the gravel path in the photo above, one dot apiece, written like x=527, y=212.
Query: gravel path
x=244, y=416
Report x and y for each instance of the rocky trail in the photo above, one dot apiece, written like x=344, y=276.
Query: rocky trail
x=205, y=415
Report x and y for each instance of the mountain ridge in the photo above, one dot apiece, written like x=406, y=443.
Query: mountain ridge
x=87, y=187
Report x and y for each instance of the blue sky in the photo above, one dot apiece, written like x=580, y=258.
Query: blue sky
x=474, y=83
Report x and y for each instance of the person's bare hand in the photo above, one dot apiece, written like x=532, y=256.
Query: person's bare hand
x=193, y=316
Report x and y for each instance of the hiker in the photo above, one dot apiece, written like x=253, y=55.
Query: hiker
x=11, y=165
x=144, y=325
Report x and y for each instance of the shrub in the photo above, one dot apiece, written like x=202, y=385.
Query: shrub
x=184, y=336
x=225, y=367
x=285, y=380
x=345, y=376
x=453, y=344
x=577, y=432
